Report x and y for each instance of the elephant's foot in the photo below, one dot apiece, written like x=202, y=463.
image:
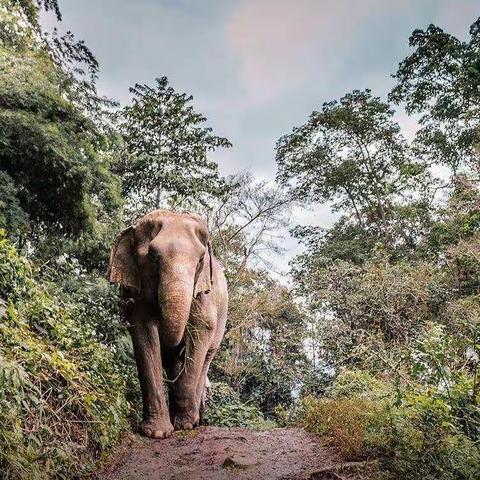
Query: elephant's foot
x=155, y=427
x=186, y=421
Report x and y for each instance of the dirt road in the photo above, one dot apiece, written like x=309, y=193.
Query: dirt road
x=219, y=453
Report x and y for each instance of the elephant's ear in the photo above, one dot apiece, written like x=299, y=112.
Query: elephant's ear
x=123, y=267
x=205, y=278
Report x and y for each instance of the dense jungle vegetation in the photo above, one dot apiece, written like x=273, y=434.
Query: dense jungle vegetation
x=375, y=346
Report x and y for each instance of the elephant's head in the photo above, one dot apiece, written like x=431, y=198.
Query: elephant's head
x=165, y=261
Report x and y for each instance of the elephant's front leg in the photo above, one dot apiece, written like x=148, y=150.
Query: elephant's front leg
x=198, y=339
x=146, y=343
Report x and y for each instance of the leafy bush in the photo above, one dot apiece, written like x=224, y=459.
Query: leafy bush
x=225, y=409
x=347, y=423
x=401, y=341
x=415, y=433
x=94, y=303
x=62, y=400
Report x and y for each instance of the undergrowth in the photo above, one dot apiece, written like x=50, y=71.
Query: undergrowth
x=420, y=434
x=62, y=401
x=225, y=409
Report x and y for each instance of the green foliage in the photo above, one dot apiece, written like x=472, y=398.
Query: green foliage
x=441, y=80
x=12, y=217
x=362, y=384
x=352, y=145
x=351, y=153
x=393, y=287
x=31, y=8
x=49, y=148
x=408, y=333
x=55, y=146
x=263, y=357
x=17, y=21
x=166, y=150
x=459, y=219
x=225, y=409
x=62, y=399
x=387, y=320
x=348, y=424
x=94, y=304
x=420, y=436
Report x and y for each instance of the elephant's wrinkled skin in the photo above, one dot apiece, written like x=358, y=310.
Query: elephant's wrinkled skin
x=175, y=298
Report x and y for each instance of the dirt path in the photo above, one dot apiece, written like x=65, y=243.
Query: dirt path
x=219, y=453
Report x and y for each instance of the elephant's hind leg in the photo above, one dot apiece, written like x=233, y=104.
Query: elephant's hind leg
x=203, y=384
x=146, y=344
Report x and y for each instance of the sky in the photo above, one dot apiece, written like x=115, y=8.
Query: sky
x=257, y=68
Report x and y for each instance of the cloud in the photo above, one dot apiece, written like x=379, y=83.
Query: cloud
x=279, y=44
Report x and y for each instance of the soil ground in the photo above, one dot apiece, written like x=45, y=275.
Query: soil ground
x=220, y=453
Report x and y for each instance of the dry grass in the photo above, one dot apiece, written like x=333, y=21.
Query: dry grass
x=343, y=422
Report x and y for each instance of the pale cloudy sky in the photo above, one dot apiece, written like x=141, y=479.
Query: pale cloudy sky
x=256, y=68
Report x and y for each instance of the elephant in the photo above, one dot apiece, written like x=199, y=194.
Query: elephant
x=175, y=302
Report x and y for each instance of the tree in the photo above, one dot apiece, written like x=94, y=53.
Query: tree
x=166, y=149
x=20, y=28
x=455, y=221
x=245, y=222
x=31, y=7
x=56, y=189
x=263, y=355
x=392, y=288
x=50, y=147
x=441, y=81
x=351, y=153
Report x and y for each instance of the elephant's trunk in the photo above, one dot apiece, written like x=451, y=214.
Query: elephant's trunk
x=175, y=300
